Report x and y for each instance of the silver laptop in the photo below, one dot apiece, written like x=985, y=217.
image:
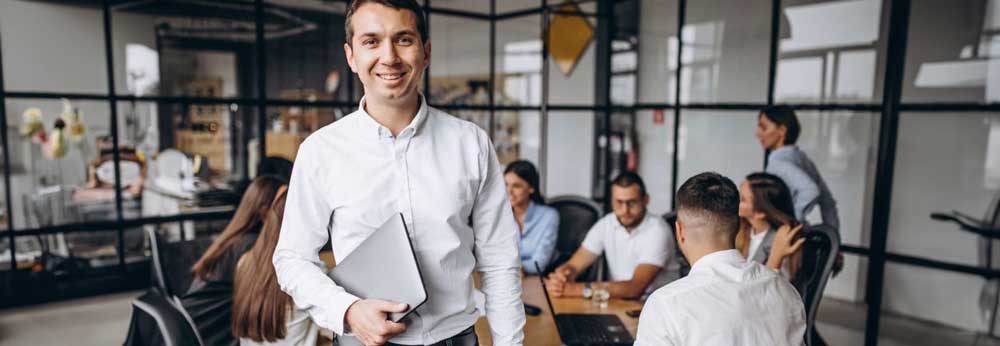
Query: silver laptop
x=385, y=267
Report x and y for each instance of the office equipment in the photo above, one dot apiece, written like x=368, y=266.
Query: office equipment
x=588, y=329
x=385, y=267
x=819, y=253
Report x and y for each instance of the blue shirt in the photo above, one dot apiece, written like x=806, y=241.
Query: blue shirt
x=538, y=238
x=804, y=182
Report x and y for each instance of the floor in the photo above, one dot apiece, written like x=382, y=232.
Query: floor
x=104, y=320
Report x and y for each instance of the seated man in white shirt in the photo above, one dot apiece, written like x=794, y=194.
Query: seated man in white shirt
x=724, y=300
x=637, y=246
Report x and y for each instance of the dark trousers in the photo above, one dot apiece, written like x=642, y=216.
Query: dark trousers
x=465, y=338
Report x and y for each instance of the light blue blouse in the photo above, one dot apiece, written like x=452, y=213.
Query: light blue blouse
x=538, y=239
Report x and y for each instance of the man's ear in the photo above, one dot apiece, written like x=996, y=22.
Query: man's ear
x=349, y=54
x=679, y=234
x=427, y=53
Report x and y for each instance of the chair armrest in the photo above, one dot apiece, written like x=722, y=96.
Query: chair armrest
x=968, y=224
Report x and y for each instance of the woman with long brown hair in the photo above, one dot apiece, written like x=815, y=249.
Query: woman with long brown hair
x=767, y=224
x=262, y=313
x=219, y=261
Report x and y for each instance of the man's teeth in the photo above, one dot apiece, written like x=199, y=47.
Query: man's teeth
x=390, y=76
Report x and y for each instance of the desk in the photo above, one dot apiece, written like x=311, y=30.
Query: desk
x=541, y=330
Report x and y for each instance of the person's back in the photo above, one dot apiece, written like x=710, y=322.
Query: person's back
x=724, y=300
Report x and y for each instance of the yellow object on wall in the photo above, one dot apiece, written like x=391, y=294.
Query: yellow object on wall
x=569, y=36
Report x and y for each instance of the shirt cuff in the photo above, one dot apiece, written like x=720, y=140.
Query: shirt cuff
x=338, y=312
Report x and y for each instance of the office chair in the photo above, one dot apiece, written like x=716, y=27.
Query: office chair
x=818, y=255
x=670, y=218
x=172, y=262
x=210, y=310
x=988, y=230
x=576, y=216
x=172, y=324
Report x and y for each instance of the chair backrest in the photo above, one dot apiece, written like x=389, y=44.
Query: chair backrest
x=210, y=309
x=576, y=215
x=670, y=218
x=175, y=329
x=172, y=262
x=818, y=255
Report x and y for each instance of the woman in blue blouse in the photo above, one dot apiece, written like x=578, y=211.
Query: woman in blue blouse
x=539, y=223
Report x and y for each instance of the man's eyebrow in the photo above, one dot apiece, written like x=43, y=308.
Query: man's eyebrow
x=404, y=33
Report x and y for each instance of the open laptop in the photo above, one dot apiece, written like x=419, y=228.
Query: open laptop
x=587, y=329
x=385, y=267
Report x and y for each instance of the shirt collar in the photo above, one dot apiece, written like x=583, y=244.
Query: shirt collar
x=641, y=225
x=786, y=148
x=705, y=263
x=369, y=124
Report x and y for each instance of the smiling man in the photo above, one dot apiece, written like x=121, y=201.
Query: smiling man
x=397, y=155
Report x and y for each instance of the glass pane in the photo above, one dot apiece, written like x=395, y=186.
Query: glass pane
x=951, y=52
x=197, y=156
x=625, y=50
x=288, y=126
x=460, y=55
x=725, y=56
x=188, y=48
x=570, y=154
x=924, y=306
x=474, y=6
x=944, y=162
x=51, y=47
x=572, y=66
x=506, y=6
x=307, y=55
x=825, y=58
x=519, y=61
x=719, y=141
x=655, y=136
x=842, y=145
x=61, y=176
x=657, y=51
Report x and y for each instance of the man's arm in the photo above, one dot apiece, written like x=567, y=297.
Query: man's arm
x=496, y=251
x=630, y=289
x=567, y=272
x=655, y=326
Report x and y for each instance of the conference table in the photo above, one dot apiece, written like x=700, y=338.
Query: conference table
x=541, y=330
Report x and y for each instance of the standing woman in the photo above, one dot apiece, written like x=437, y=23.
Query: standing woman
x=539, y=224
x=778, y=130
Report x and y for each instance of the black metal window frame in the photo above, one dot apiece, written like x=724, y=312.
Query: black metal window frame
x=889, y=108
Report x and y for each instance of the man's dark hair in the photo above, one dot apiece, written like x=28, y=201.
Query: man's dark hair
x=784, y=116
x=627, y=179
x=712, y=199
x=410, y=5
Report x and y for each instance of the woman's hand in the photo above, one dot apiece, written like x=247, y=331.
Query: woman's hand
x=784, y=245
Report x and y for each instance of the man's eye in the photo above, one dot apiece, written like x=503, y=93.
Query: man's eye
x=405, y=40
x=368, y=42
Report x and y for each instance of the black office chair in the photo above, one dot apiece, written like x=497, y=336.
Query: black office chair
x=173, y=327
x=576, y=216
x=818, y=256
x=670, y=218
x=988, y=230
x=172, y=262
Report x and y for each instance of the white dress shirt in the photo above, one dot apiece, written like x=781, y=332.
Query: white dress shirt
x=725, y=300
x=648, y=243
x=442, y=174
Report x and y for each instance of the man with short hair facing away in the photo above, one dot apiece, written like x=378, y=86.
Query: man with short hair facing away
x=397, y=155
x=725, y=299
x=637, y=246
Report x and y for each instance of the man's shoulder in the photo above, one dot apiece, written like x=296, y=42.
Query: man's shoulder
x=677, y=292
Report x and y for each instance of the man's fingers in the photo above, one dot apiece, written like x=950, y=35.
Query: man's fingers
x=388, y=306
x=393, y=328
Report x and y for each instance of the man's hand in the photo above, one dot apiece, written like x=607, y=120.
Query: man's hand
x=367, y=319
x=562, y=274
x=784, y=245
x=555, y=286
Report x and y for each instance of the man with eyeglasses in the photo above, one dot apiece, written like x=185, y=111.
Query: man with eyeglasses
x=637, y=245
